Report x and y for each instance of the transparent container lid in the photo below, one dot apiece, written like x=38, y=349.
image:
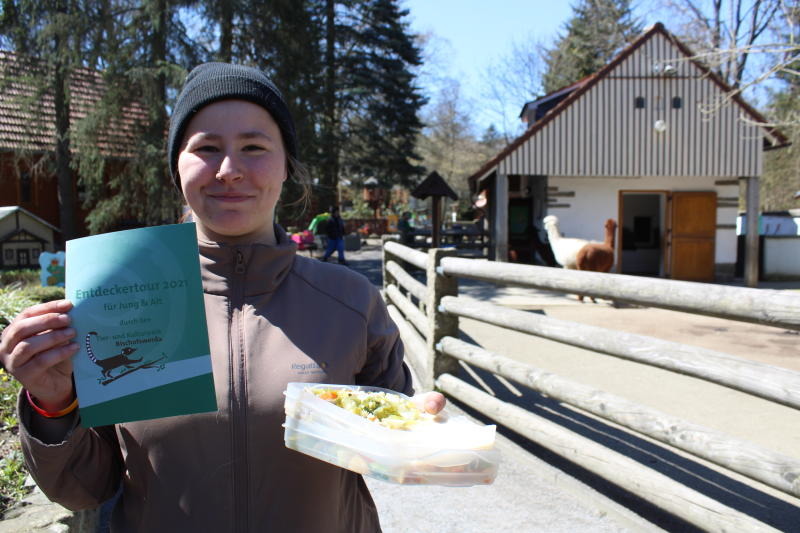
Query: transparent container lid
x=447, y=450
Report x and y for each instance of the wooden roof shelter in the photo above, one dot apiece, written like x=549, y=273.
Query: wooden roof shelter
x=436, y=187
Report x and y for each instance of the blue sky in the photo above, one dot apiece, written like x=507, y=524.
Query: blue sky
x=480, y=31
x=472, y=34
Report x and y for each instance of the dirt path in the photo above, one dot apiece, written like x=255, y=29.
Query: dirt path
x=766, y=344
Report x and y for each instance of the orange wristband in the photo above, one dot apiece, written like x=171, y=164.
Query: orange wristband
x=49, y=414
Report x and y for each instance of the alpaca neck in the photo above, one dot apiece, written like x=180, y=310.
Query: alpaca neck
x=552, y=233
x=610, y=233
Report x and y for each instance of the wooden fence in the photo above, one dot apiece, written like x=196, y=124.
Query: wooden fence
x=427, y=315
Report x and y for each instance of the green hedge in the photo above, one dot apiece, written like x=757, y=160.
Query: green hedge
x=26, y=276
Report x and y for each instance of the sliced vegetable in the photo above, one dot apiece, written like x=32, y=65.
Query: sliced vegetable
x=390, y=410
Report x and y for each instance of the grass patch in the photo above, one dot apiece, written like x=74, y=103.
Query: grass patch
x=12, y=480
x=12, y=468
x=18, y=289
x=13, y=299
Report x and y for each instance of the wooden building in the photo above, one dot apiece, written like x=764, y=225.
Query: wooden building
x=653, y=140
x=23, y=236
x=28, y=137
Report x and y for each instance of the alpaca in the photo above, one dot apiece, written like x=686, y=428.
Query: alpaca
x=564, y=249
x=598, y=257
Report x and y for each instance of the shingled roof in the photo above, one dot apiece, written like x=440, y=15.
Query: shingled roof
x=27, y=119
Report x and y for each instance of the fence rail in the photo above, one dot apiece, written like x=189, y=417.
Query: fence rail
x=769, y=382
x=774, y=469
x=430, y=327
x=769, y=307
x=692, y=506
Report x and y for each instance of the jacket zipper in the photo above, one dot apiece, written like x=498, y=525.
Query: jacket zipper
x=239, y=399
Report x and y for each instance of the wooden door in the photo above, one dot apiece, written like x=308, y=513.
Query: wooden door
x=23, y=258
x=693, y=229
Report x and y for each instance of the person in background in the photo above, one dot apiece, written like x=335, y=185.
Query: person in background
x=406, y=229
x=335, y=231
x=273, y=317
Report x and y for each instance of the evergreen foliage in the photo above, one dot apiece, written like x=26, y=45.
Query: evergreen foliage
x=377, y=102
x=53, y=38
x=145, y=54
x=594, y=34
x=781, y=179
x=355, y=102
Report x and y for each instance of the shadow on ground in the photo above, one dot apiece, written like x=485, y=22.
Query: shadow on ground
x=707, y=481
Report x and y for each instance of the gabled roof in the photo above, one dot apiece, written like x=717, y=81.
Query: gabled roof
x=433, y=185
x=27, y=119
x=25, y=234
x=780, y=140
x=10, y=210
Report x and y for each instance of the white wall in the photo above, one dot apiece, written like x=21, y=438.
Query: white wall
x=782, y=257
x=596, y=199
x=29, y=224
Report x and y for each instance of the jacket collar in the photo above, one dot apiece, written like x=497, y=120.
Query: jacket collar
x=261, y=268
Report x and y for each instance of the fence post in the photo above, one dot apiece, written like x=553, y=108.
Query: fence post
x=385, y=276
x=440, y=324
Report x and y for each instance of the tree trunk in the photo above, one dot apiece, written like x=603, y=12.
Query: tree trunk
x=330, y=163
x=225, y=31
x=67, y=201
x=158, y=112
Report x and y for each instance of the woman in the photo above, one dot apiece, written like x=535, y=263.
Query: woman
x=273, y=317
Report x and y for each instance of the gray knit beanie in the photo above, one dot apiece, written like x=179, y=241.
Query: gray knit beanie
x=212, y=82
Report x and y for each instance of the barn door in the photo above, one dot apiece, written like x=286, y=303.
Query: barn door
x=693, y=229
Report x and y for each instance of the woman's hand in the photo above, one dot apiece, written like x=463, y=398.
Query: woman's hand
x=430, y=402
x=36, y=348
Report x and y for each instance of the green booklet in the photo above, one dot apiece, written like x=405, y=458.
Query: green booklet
x=141, y=323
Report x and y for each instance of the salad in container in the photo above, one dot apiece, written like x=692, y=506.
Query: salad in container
x=382, y=434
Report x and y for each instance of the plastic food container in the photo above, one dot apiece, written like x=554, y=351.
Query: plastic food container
x=450, y=450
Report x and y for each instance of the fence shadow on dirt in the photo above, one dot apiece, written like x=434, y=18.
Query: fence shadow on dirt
x=716, y=485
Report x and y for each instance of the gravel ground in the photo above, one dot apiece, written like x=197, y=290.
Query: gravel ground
x=527, y=496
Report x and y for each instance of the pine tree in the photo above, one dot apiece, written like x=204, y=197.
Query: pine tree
x=283, y=38
x=145, y=58
x=379, y=110
x=595, y=32
x=370, y=102
x=51, y=39
x=345, y=70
